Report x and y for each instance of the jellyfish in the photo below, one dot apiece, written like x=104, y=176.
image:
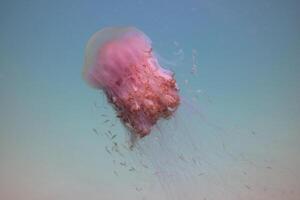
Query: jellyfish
x=186, y=151
x=120, y=61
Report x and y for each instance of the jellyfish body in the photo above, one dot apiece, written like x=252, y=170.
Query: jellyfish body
x=120, y=61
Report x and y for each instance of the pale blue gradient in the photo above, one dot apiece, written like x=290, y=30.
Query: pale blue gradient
x=248, y=67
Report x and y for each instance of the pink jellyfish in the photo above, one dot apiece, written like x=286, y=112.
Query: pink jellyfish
x=120, y=61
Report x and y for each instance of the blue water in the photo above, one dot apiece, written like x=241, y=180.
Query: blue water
x=248, y=77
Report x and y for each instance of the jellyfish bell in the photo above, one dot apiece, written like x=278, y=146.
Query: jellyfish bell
x=99, y=51
x=120, y=61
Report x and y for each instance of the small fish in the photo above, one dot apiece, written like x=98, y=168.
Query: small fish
x=123, y=163
x=95, y=104
x=132, y=169
x=223, y=145
x=116, y=149
x=107, y=135
x=115, y=145
x=113, y=137
x=138, y=189
x=107, y=150
x=116, y=173
x=145, y=166
x=248, y=187
x=182, y=158
x=106, y=121
x=196, y=162
x=95, y=131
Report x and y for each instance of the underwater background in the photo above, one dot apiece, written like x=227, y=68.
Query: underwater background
x=247, y=81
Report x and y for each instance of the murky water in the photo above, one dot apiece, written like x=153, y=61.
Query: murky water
x=235, y=135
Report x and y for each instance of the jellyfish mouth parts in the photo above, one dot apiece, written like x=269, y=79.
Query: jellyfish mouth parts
x=149, y=96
